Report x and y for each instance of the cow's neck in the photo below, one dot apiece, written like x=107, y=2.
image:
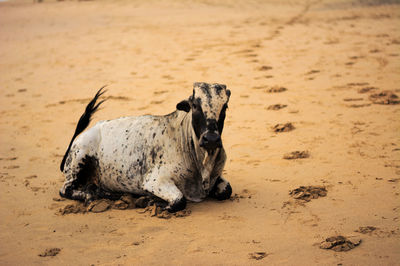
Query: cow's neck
x=204, y=161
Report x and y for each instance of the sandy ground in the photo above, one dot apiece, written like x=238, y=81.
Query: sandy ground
x=55, y=55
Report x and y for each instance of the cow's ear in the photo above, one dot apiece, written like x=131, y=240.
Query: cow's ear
x=183, y=106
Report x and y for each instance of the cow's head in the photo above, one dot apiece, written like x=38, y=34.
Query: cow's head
x=208, y=105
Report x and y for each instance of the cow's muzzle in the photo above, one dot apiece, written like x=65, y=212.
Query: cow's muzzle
x=210, y=141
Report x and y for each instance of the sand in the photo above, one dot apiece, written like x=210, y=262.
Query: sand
x=336, y=60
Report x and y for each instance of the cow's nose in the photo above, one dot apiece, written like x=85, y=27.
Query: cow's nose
x=211, y=141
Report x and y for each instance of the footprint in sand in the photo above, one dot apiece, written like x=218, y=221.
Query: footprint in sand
x=385, y=97
x=314, y=71
x=275, y=89
x=50, y=252
x=366, y=229
x=357, y=84
x=283, y=127
x=264, y=68
x=359, y=105
x=352, y=99
x=307, y=193
x=375, y=231
x=11, y=167
x=245, y=51
x=268, y=89
x=245, y=194
x=374, y=51
x=276, y=107
x=257, y=255
x=340, y=243
x=9, y=159
x=296, y=155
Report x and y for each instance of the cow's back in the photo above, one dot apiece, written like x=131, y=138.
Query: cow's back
x=130, y=147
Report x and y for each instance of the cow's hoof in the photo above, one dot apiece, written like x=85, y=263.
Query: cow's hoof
x=178, y=205
x=222, y=194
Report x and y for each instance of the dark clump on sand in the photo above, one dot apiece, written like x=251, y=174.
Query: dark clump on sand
x=276, y=89
x=50, y=252
x=296, y=155
x=308, y=193
x=283, y=127
x=257, y=255
x=367, y=89
x=340, y=243
x=385, y=97
x=276, y=107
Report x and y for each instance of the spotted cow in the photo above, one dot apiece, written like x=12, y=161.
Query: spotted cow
x=175, y=157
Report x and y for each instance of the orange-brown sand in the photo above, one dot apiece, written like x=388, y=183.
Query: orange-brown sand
x=330, y=56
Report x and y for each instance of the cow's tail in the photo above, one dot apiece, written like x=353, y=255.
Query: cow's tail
x=84, y=121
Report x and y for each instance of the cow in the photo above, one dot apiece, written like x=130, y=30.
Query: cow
x=175, y=157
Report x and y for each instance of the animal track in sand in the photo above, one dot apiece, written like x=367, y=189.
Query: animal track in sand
x=283, y=127
x=257, y=255
x=264, y=68
x=359, y=105
x=357, y=84
x=50, y=252
x=314, y=71
x=340, y=243
x=352, y=99
x=276, y=107
x=307, y=193
x=375, y=231
x=365, y=229
x=269, y=89
x=276, y=89
x=385, y=97
x=11, y=167
x=245, y=51
x=296, y=155
x=367, y=89
x=245, y=194
x=9, y=159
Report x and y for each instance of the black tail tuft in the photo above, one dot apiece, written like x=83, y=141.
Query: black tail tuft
x=84, y=121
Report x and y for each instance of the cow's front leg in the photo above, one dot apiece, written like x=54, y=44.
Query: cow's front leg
x=165, y=189
x=222, y=190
